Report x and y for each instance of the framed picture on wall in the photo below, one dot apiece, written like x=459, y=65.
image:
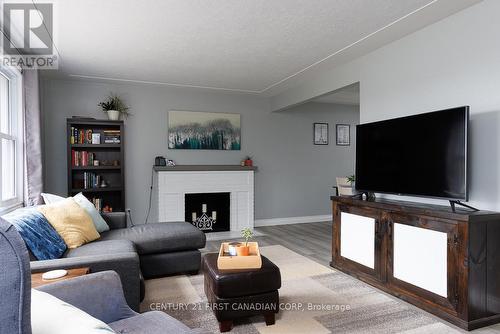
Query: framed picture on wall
x=320, y=132
x=194, y=130
x=343, y=134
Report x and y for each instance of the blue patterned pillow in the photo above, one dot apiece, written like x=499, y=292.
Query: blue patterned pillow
x=39, y=236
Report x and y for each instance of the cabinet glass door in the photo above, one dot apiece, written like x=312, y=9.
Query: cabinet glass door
x=423, y=258
x=357, y=239
x=420, y=258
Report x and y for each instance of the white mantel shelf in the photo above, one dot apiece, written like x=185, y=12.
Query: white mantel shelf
x=173, y=183
x=193, y=168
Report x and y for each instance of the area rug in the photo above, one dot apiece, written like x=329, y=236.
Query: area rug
x=314, y=299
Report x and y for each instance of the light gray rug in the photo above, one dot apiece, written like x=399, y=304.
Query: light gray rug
x=314, y=299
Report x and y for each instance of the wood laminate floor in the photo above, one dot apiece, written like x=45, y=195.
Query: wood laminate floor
x=312, y=240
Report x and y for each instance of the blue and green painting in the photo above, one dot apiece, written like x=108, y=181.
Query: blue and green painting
x=192, y=130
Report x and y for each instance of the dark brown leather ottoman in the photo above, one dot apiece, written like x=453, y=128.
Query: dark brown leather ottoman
x=236, y=294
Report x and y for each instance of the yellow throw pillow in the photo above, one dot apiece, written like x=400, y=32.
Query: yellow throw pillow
x=72, y=222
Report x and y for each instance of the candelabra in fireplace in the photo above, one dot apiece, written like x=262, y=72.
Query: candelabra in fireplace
x=204, y=222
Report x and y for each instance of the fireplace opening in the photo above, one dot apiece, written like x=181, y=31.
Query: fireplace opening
x=210, y=212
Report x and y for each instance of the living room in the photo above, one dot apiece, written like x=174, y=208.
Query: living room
x=217, y=166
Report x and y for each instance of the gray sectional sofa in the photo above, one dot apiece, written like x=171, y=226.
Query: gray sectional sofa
x=99, y=295
x=135, y=253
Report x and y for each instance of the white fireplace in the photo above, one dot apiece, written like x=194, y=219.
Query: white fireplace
x=173, y=183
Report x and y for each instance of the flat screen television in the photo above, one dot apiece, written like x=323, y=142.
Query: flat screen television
x=421, y=155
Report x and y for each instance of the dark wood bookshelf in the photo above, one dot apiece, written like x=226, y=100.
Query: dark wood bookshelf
x=113, y=194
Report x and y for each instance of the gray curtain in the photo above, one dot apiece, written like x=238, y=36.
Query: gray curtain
x=32, y=138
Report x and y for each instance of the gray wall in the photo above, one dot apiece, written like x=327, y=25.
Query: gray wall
x=453, y=62
x=294, y=176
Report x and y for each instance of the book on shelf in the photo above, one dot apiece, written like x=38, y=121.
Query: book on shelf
x=91, y=180
x=112, y=136
x=82, y=158
x=100, y=206
x=80, y=136
x=97, y=203
x=96, y=138
x=89, y=136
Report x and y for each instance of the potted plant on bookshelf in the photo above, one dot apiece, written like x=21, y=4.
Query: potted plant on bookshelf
x=114, y=107
x=244, y=249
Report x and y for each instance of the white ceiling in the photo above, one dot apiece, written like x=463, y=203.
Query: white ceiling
x=257, y=46
x=348, y=95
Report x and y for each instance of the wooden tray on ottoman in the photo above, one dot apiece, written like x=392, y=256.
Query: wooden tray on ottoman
x=228, y=262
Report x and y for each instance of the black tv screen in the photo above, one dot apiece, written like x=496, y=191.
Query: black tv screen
x=421, y=155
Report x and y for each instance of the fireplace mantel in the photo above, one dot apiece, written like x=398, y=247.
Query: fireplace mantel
x=173, y=183
x=189, y=168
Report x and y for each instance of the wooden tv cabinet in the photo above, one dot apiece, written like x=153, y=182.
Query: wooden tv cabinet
x=447, y=263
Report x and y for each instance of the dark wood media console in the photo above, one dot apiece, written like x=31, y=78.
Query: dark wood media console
x=447, y=263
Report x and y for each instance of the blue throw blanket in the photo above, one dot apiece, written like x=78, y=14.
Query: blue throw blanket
x=40, y=237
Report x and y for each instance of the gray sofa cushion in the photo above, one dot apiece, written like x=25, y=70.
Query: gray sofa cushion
x=103, y=297
x=150, y=323
x=102, y=248
x=159, y=237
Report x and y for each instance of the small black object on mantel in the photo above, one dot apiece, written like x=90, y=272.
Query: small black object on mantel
x=160, y=161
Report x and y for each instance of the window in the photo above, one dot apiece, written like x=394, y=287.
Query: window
x=11, y=139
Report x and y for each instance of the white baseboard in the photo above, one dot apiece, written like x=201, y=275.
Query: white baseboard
x=292, y=220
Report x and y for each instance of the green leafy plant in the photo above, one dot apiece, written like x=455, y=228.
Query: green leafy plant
x=351, y=179
x=114, y=102
x=247, y=234
x=248, y=157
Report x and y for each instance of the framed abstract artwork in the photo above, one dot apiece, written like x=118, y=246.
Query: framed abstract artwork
x=194, y=130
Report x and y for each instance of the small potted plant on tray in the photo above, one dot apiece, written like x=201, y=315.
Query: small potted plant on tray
x=114, y=107
x=244, y=249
